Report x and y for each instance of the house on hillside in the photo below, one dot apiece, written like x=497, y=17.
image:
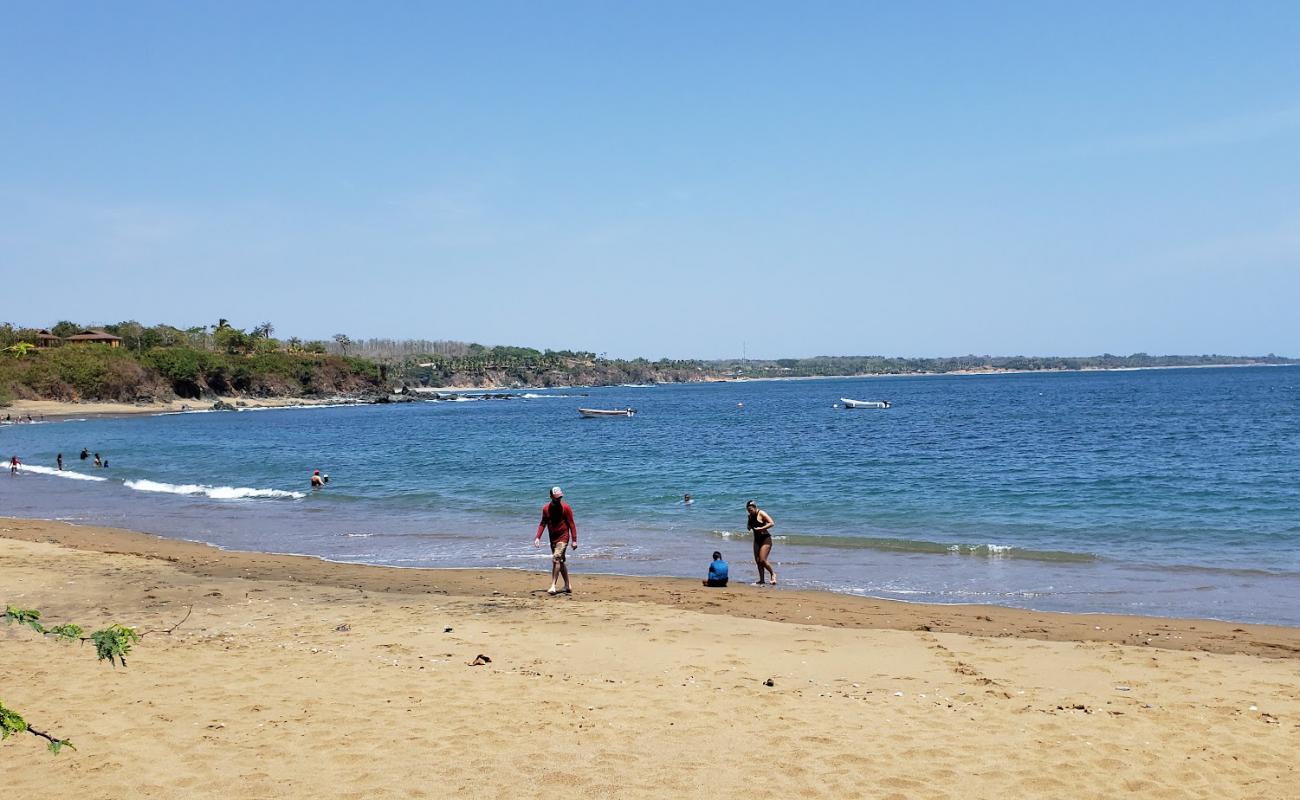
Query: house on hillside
x=95, y=337
x=46, y=339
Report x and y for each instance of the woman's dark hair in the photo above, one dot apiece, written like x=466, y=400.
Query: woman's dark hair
x=717, y=556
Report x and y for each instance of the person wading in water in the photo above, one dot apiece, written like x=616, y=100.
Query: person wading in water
x=760, y=524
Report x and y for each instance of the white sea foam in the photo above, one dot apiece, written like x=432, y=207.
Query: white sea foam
x=215, y=492
x=298, y=407
x=532, y=396
x=76, y=476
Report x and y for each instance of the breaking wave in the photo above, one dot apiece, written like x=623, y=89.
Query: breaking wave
x=215, y=492
x=919, y=546
x=76, y=476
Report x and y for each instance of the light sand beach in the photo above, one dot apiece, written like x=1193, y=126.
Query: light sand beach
x=60, y=409
x=298, y=678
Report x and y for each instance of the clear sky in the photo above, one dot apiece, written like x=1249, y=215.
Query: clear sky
x=662, y=178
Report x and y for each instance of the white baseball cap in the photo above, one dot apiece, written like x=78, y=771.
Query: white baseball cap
x=557, y=491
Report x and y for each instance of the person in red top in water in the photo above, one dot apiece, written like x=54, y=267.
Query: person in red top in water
x=557, y=517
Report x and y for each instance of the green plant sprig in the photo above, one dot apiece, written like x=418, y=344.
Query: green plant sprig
x=112, y=644
x=11, y=723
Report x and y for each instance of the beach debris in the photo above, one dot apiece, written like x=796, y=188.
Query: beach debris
x=1075, y=707
x=447, y=629
x=769, y=682
x=344, y=628
x=898, y=694
x=1123, y=689
x=479, y=660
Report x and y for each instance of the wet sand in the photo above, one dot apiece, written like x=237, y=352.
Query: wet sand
x=295, y=677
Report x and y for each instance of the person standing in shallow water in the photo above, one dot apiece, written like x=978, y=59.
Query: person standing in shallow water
x=760, y=524
x=557, y=518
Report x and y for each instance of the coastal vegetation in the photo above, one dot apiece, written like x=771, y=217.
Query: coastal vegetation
x=130, y=362
x=163, y=362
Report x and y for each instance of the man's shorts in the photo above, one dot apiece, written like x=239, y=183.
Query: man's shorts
x=558, y=550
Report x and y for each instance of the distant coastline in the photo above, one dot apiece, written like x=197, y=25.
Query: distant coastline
x=976, y=373
x=129, y=368
x=60, y=410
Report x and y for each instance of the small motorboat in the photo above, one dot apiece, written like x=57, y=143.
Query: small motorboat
x=864, y=403
x=607, y=412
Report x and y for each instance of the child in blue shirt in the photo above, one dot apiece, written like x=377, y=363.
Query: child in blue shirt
x=717, y=571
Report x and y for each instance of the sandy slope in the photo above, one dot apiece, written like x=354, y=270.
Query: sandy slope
x=296, y=678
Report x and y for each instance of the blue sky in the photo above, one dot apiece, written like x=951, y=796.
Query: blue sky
x=662, y=179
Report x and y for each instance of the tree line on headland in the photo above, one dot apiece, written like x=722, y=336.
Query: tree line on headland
x=131, y=362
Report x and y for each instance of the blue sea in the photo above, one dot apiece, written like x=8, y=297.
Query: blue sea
x=1162, y=492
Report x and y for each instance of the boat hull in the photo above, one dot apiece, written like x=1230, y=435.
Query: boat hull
x=592, y=413
x=864, y=403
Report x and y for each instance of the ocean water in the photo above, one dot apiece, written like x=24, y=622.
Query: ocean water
x=1164, y=492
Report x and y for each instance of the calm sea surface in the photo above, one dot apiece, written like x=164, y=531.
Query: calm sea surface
x=1166, y=492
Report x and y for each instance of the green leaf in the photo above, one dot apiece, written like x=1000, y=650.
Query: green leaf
x=68, y=631
x=58, y=744
x=10, y=722
x=24, y=616
x=114, y=643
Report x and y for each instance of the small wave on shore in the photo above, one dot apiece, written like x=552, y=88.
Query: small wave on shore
x=76, y=476
x=215, y=492
x=991, y=551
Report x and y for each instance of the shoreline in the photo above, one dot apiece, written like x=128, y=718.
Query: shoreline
x=795, y=606
x=275, y=676
x=61, y=410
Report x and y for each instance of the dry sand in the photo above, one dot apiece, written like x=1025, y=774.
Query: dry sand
x=299, y=678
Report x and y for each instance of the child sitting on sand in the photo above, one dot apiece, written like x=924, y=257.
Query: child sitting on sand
x=717, y=571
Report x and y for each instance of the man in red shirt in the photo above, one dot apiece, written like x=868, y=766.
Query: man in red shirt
x=557, y=517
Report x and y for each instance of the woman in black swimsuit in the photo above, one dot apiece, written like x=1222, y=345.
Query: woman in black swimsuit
x=760, y=523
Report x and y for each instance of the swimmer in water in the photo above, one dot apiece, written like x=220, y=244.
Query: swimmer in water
x=316, y=480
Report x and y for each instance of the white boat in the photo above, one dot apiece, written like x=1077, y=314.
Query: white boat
x=607, y=412
x=864, y=403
